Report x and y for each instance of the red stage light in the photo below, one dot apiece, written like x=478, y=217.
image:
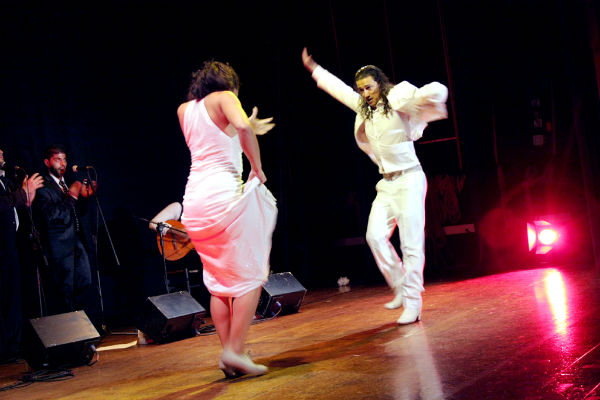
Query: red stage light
x=531, y=235
x=548, y=236
x=541, y=236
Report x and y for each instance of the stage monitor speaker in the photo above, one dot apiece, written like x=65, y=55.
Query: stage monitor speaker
x=171, y=317
x=281, y=294
x=61, y=340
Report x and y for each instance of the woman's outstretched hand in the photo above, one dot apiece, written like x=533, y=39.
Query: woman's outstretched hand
x=308, y=61
x=260, y=126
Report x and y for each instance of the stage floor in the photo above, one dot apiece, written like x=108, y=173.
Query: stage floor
x=531, y=334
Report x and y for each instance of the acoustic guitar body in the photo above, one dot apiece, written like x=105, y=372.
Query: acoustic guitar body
x=176, y=241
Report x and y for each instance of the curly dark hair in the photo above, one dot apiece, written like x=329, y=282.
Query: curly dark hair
x=214, y=76
x=384, y=88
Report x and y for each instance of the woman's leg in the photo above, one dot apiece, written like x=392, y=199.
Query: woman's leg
x=220, y=312
x=244, y=309
x=233, y=358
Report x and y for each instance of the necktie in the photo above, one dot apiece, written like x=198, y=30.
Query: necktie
x=64, y=188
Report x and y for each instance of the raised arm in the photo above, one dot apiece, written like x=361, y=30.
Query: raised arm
x=330, y=83
x=308, y=61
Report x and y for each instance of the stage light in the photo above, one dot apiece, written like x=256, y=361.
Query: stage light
x=531, y=235
x=542, y=236
x=548, y=236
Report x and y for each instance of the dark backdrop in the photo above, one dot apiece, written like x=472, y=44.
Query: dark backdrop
x=106, y=80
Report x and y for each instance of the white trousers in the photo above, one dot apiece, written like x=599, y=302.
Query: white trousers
x=400, y=202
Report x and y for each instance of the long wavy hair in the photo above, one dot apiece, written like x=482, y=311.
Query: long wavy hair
x=366, y=111
x=214, y=76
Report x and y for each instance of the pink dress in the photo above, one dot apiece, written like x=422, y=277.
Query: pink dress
x=229, y=223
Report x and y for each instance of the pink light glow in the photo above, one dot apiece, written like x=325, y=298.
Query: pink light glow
x=541, y=236
x=556, y=293
x=548, y=236
x=531, y=236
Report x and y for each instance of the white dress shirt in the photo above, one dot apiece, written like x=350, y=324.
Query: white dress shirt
x=388, y=139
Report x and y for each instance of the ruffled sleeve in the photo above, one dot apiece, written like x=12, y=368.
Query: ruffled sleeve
x=418, y=106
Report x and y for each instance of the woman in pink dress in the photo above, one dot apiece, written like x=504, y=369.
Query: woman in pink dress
x=230, y=222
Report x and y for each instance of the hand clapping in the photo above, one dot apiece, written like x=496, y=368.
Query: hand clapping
x=30, y=185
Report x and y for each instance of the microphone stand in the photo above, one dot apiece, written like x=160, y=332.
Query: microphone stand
x=37, y=246
x=160, y=228
x=95, y=239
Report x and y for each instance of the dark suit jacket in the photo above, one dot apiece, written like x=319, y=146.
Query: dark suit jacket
x=10, y=282
x=8, y=201
x=55, y=219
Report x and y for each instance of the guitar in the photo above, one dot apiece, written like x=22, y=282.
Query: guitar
x=176, y=241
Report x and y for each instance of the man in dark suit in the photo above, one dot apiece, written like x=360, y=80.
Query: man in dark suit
x=57, y=209
x=10, y=274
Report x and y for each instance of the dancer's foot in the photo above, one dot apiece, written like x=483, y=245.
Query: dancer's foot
x=409, y=316
x=396, y=303
x=242, y=363
x=229, y=372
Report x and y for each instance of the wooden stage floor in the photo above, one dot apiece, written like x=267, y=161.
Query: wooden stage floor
x=531, y=334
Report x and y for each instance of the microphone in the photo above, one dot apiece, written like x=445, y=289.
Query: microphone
x=20, y=173
x=7, y=167
x=77, y=168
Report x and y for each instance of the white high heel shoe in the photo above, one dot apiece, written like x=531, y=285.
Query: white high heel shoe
x=409, y=316
x=241, y=363
x=396, y=303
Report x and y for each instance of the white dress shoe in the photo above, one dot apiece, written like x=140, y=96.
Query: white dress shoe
x=409, y=316
x=396, y=303
x=241, y=363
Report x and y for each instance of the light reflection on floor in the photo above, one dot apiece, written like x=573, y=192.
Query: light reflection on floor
x=531, y=334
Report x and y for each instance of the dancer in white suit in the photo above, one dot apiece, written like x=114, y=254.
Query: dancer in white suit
x=389, y=119
x=229, y=222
